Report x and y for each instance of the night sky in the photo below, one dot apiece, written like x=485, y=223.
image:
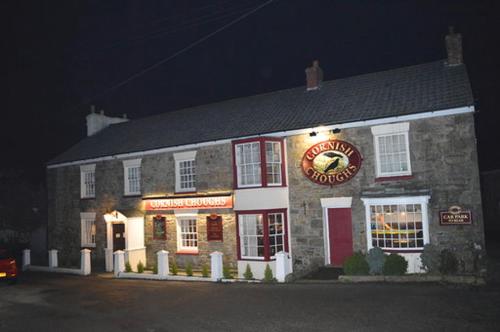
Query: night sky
x=59, y=57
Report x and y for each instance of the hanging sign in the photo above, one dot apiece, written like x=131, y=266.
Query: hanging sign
x=214, y=228
x=331, y=162
x=455, y=216
x=210, y=202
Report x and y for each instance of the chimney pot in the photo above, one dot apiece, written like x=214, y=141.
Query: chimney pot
x=453, y=43
x=124, y=115
x=92, y=109
x=314, y=76
x=102, y=112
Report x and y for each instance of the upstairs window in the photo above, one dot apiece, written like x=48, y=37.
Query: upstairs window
x=87, y=181
x=132, y=176
x=88, y=230
x=259, y=163
x=185, y=171
x=392, y=149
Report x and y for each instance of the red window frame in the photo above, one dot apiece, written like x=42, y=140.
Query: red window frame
x=163, y=220
x=263, y=162
x=265, y=225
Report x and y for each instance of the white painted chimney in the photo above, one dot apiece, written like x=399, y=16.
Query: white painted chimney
x=97, y=122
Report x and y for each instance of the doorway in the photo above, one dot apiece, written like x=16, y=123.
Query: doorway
x=118, y=237
x=339, y=235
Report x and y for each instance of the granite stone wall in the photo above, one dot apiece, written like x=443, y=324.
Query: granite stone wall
x=444, y=166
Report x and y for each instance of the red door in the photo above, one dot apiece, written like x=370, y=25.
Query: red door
x=340, y=235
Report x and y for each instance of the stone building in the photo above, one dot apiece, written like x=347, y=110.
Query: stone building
x=386, y=159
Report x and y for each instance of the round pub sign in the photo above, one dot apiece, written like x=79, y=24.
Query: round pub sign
x=331, y=162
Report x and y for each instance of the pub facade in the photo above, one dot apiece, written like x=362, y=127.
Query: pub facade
x=385, y=160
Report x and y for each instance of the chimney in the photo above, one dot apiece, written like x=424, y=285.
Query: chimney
x=98, y=121
x=454, y=47
x=314, y=76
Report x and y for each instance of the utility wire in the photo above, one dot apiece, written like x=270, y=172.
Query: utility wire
x=198, y=21
x=185, y=49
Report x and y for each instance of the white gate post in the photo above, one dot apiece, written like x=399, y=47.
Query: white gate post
x=53, y=258
x=108, y=258
x=162, y=264
x=119, y=262
x=85, y=262
x=216, y=265
x=281, y=266
x=26, y=259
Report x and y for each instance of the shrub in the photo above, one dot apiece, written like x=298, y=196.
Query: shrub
x=449, y=263
x=356, y=265
x=204, y=271
x=431, y=259
x=189, y=269
x=173, y=268
x=128, y=268
x=268, y=274
x=376, y=260
x=226, y=272
x=248, y=275
x=140, y=267
x=155, y=268
x=395, y=265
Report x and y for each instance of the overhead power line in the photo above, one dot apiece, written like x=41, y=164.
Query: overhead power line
x=183, y=50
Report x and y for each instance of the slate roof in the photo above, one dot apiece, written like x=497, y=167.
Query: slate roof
x=408, y=90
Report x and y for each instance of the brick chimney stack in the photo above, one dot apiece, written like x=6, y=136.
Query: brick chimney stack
x=454, y=47
x=314, y=76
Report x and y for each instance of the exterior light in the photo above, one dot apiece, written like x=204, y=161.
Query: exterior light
x=336, y=130
x=312, y=134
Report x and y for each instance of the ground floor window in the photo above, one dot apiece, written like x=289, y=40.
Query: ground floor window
x=397, y=223
x=187, y=234
x=261, y=234
x=88, y=230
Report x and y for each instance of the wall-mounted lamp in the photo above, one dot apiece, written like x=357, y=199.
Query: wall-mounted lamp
x=312, y=134
x=336, y=130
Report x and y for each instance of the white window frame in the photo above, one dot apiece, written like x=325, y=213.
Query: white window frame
x=238, y=165
x=180, y=157
x=129, y=164
x=422, y=200
x=240, y=226
x=401, y=128
x=87, y=219
x=279, y=163
x=179, y=220
x=85, y=170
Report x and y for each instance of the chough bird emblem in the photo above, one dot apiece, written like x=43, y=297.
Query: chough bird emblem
x=335, y=160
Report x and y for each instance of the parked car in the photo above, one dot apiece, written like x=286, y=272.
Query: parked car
x=8, y=267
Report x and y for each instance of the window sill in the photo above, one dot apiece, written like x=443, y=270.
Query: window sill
x=261, y=187
x=87, y=198
x=393, y=178
x=180, y=192
x=186, y=252
x=132, y=195
x=403, y=251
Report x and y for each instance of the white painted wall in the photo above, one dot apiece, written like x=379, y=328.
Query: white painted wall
x=261, y=198
x=414, y=262
x=257, y=267
x=133, y=256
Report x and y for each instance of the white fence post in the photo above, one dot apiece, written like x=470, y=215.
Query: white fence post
x=216, y=265
x=162, y=265
x=119, y=262
x=108, y=257
x=281, y=266
x=53, y=258
x=85, y=262
x=26, y=259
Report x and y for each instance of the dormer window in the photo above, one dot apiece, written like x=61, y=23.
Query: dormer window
x=259, y=163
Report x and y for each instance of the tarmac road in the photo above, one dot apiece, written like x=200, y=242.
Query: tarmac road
x=54, y=302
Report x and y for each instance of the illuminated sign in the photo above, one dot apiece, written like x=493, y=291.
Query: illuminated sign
x=211, y=202
x=331, y=162
x=455, y=216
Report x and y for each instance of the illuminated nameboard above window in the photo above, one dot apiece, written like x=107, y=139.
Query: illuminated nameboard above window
x=202, y=202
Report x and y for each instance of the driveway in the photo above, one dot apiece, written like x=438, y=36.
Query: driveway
x=52, y=302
